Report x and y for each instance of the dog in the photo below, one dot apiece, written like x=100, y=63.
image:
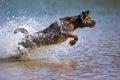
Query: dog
x=58, y=32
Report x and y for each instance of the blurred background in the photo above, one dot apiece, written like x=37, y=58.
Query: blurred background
x=95, y=56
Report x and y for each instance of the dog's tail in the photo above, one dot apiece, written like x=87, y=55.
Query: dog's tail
x=22, y=30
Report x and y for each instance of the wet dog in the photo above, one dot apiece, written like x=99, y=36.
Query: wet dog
x=58, y=32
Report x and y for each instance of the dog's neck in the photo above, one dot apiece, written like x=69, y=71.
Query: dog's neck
x=75, y=23
x=65, y=25
x=60, y=23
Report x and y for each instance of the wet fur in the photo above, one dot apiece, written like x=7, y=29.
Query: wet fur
x=58, y=32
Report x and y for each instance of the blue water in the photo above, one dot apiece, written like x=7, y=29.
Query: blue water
x=95, y=56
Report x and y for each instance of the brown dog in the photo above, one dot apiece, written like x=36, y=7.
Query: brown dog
x=57, y=32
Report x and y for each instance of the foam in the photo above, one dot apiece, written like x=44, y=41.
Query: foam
x=9, y=41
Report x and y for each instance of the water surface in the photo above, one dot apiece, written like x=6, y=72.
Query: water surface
x=96, y=56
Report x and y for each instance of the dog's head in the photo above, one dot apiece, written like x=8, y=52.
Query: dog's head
x=85, y=20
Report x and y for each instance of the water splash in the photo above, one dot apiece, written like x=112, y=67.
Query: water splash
x=9, y=41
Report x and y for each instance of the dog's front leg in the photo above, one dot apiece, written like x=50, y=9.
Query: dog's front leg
x=72, y=35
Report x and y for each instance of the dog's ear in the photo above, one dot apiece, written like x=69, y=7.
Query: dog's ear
x=87, y=12
x=84, y=14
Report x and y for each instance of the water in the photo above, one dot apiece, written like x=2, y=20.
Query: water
x=96, y=56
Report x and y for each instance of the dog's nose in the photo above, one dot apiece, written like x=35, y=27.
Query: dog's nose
x=94, y=22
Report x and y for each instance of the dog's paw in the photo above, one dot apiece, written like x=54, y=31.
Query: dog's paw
x=72, y=42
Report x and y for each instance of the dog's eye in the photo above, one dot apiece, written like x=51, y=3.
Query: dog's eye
x=86, y=18
x=75, y=16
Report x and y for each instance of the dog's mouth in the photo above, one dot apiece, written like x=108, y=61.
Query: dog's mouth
x=93, y=23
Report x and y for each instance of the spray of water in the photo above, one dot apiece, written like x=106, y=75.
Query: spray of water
x=9, y=41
